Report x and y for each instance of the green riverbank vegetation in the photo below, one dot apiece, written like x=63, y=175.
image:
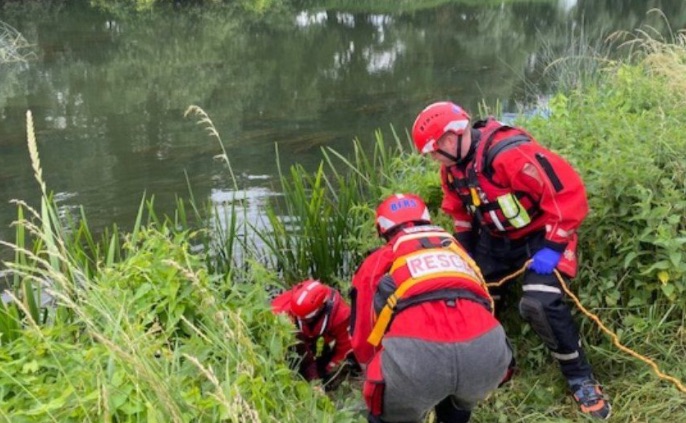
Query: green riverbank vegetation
x=170, y=321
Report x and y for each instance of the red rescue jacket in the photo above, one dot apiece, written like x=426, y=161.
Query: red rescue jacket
x=416, y=255
x=333, y=326
x=508, y=163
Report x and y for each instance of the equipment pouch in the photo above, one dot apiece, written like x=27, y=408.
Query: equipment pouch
x=513, y=211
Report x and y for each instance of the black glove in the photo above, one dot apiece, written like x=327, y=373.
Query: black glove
x=354, y=368
x=334, y=378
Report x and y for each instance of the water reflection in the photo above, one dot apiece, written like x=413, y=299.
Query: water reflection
x=242, y=212
x=108, y=92
x=250, y=205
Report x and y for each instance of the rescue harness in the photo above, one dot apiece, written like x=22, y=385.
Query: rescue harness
x=503, y=210
x=426, y=257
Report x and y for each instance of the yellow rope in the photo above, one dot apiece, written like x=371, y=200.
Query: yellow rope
x=596, y=319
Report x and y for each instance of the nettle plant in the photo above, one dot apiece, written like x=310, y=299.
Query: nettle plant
x=626, y=139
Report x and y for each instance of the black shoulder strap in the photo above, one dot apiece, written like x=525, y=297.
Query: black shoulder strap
x=503, y=145
x=480, y=123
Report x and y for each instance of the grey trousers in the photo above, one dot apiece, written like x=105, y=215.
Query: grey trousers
x=419, y=374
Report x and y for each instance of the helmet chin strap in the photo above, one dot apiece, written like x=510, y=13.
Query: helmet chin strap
x=456, y=157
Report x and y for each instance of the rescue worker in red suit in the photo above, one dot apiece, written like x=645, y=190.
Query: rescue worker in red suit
x=322, y=318
x=512, y=201
x=422, y=322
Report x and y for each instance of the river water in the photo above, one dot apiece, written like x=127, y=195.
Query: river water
x=108, y=91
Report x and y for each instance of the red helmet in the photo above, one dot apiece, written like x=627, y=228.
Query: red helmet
x=398, y=209
x=434, y=121
x=309, y=298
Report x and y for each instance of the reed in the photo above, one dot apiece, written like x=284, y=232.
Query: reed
x=227, y=235
x=324, y=222
x=573, y=60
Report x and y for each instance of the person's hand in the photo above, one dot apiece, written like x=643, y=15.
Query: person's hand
x=309, y=371
x=334, y=376
x=353, y=366
x=545, y=261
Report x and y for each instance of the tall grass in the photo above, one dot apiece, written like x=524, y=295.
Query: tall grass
x=571, y=60
x=229, y=235
x=143, y=334
x=323, y=224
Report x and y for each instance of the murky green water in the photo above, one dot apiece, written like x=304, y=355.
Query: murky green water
x=108, y=93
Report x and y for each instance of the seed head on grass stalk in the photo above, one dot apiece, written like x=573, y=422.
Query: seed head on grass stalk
x=205, y=121
x=33, y=153
x=227, y=239
x=51, y=231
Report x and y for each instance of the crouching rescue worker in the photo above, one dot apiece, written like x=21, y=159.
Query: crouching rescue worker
x=422, y=322
x=322, y=317
x=512, y=201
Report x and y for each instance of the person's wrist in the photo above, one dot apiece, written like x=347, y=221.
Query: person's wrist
x=555, y=246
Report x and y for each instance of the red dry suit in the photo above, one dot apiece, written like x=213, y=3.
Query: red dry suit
x=331, y=328
x=446, y=304
x=513, y=187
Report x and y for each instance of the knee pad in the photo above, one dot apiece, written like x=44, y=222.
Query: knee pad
x=531, y=309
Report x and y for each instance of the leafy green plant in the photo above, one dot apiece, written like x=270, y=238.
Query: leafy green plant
x=145, y=333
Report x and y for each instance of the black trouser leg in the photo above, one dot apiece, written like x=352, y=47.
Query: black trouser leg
x=376, y=419
x=541, y=303
x=448, y=412
x=373, y=419
x=543, y=307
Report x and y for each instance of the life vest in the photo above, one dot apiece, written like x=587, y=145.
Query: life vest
x=497, y=208
x=428, y=265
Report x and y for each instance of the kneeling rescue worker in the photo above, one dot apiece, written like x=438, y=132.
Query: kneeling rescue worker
x=422, y=322
x=322, y=317
x=512, y=200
